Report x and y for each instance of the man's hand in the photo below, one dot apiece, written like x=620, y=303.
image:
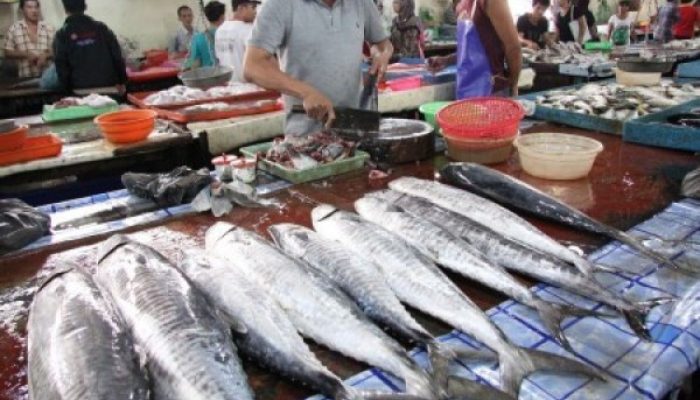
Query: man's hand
x=121, y=89
x=437, y=64
x=533, y=46
x=42, y=60
x=380, y=62
x=33, y=58
x=319, y=107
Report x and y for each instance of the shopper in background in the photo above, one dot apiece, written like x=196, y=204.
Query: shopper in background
x=406, y=30
x=202, y=49
x=87, y=52
x=232, y=37
x=666, y=19
x=533, y=26
x=571, y=23
x=689, y=18
x=621, y=24
x=180, y=42
x=29, y=41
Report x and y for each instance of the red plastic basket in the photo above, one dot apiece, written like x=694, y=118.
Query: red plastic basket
x=481, y=117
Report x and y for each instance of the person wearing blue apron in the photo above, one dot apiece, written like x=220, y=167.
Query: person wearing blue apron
x=488, y=57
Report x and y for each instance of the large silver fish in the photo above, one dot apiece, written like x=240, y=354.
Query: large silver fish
x=507, y=190
x=318, y=309
x=364, y=283
x=78, y=345
x=261, y=327
x=188, y=349
x=490, y=214
x=517, y=257
x=454, y=253
x=419, y=283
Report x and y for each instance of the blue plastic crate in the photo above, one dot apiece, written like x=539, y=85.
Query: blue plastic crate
x=653, y=130
x=689, y=69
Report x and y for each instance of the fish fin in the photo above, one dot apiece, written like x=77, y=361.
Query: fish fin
x=552, y=315
x=607, y=269
x=636, y=317
x=465, y=389
x=440, y=357
x=520, y=362
x=110, y=246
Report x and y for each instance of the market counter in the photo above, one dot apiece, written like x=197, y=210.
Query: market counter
x=628, y=184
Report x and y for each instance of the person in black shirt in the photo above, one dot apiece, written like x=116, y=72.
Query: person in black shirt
x=87, y=53
x=533, y=26
x=567, y=14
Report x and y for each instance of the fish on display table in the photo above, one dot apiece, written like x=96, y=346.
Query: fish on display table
x=316, y=307
x=188, y=349
x=261, y=328
x=492, y=215
x=419, y=283
x=78, y=345
x=515, y=256
x=457, y=255
x=364, y=282
x=509, y=191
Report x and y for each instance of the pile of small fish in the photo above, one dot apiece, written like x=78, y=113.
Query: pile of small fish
x=618, y=102
x=309, y=151
x=182, y=94
x=337, y=285
x=92, y=100
x=564, y=53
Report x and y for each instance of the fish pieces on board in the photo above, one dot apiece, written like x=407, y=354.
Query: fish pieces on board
x=489, y=214
x=509, y=191
x=188, y=349
x=261, y=328
x=318, y=309
x=78, y=345
x=419, y=283
x=457, y=255
x=515, y=256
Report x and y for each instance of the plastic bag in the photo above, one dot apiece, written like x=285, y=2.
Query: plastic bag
x=20, y=224
x=691, y=184
x=176, y=187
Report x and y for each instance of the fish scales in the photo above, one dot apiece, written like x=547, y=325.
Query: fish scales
x=318, y=309
x=188, y=349
x=261, y=327
x=490, y=214
x=360, y=279
x=516, y=256
x=78, y=345
x=419, y=283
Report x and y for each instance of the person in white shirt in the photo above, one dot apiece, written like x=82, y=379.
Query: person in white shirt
x=621, y=24
x=232, y=36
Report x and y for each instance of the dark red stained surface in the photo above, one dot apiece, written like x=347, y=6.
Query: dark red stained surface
x=628, y=184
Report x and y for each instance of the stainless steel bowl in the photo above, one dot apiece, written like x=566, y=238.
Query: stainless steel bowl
x=644, y=65
x=206, y=77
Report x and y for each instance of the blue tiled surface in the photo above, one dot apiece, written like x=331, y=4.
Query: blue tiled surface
x=638, y=369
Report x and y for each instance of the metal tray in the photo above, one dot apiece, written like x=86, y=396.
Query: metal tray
x=307, y=175
x=654, y=130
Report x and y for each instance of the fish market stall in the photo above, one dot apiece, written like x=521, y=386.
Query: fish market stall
x=620, y=191
x=607, y=106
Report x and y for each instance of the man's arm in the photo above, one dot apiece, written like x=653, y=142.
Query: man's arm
x=262, y=68
x=382, y=49
x=60, y=52
x=11, y=51
x=115, y=50
x=499, y=13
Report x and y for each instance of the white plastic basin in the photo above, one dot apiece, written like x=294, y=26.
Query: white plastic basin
x=557, y=156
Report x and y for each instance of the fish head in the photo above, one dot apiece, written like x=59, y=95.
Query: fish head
x=194, y=260
x=110, y=246
x=367, y=205
x=290, y=237
x=387, y=195
x=216, y=233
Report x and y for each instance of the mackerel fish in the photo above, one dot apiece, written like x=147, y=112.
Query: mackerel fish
x=419, y=283
x=188, y=349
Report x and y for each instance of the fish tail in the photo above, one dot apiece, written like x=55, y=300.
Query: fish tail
x=440, y=357
x=636, y=317
x=419, y=383
x=460, y=388
x=553, y=314
x=518, y=363
x=654, y=255
x=607, y=269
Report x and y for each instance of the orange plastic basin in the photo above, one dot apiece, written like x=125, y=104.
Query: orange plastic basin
x=33, y=148
x=13, y=139
x=127, y=126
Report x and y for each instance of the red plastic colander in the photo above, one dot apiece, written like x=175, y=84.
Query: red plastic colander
x=481, y=117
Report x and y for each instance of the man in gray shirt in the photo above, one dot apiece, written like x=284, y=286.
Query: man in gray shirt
x=319, y=43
